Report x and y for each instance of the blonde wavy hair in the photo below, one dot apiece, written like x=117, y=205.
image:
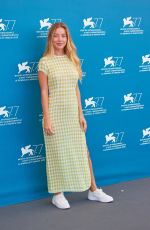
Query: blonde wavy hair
x=70, y=48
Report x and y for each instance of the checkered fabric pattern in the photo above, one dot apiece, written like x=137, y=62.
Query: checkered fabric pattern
x=67, y=164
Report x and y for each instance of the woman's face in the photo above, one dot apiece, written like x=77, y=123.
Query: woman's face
x=59, y=39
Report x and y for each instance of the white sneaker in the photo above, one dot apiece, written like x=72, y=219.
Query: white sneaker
x=60, y=201
x=99, y=195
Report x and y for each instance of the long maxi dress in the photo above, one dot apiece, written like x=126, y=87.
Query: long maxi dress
x=67, y=166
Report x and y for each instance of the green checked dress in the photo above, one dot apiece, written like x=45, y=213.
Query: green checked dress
x=67, y=166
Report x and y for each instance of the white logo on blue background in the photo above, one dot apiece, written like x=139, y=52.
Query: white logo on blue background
x=44, y=25
x=92, y=27
x=112, y=65
x=128, y=22
x=27, y=71
x=93, y=106
x=27, y=150
x=145, y=63
x=132, y=101
x=82, y=67
x=131, y=25
x=7, y=28
x=114, y=141
x=8, y=115
x=31, y=154
x=145, y=140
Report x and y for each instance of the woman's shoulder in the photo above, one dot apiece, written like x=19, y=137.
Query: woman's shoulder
x=43, y=59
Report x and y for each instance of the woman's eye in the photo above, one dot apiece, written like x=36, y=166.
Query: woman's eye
x=55, y=35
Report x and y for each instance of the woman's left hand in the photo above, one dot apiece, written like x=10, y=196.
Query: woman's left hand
x=82, y=122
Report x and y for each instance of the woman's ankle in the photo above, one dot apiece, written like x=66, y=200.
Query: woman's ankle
x=57, y=193
x=93, y=188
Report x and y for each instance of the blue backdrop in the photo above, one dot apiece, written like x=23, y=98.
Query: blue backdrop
x=112, y=40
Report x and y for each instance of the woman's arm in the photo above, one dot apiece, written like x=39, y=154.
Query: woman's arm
x=79, y=100
x=82, y=120
x=43, y=82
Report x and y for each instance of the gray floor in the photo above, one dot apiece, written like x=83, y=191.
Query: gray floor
x=130, y=210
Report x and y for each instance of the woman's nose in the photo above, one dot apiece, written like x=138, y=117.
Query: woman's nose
x=59, y=38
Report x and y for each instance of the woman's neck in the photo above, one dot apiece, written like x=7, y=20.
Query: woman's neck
x=59, y=53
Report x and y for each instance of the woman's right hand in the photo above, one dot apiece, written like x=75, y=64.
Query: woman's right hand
x=48, y=129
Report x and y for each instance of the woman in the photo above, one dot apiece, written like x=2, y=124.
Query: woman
x=68, y=164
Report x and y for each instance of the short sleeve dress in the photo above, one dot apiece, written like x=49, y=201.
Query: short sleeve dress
x=67, y=166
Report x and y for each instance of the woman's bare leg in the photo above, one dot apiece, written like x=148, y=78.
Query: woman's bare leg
x=93, y=183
